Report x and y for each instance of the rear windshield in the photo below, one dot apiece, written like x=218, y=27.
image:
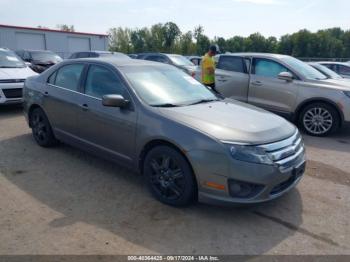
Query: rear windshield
x=180, y=60
x=45, y=56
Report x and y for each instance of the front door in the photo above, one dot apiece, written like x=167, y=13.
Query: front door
x=266, y=90
x=109, y=129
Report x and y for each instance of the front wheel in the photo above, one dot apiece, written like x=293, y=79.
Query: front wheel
x=169, y=176
x=319, y=119
x=41, y=128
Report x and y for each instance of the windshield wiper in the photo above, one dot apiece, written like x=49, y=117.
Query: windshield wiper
x=165, y=105
x=204, y=101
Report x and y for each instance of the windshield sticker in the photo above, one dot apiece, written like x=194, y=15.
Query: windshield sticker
x=192, y=80
x=12, y=58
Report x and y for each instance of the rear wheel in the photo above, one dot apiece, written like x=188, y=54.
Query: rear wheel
x=319, y=119
x=169, y=176
x=41, y=129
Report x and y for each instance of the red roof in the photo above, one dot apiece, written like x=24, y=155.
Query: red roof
x=50, y=30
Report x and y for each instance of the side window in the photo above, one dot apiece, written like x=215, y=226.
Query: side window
x=93, y=55
x=83, y=55
x=68, y=76
x=231, y=63
x=52, y=78
x=157, y=58
x=101, y=81
x=267, y=68
x=73, y=56
x=344, y=70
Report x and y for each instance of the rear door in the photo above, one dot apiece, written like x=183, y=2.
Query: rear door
x=232, y=78
x=110, y=130
x=266, y=90
x=62, y=98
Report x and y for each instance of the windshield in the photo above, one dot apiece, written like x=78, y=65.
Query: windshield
x=9, y=59
x=304, y=69
x=180, y=60
x=45, y=56
x=159, y=86
x=326, y=71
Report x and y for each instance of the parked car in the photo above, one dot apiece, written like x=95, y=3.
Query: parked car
x=196, y=60
x=39, y=60
x=13, y=72
x=87, y=54
x=327, y=72
x=159, y=121
x=133, y=56
x=286, y=86
x=178, y=61
x=342, y=69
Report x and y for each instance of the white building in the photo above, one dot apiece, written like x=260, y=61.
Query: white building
x=61, y=42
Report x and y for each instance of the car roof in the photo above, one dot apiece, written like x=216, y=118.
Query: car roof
x=264, y=55
x=119, y=62
x=334, y=63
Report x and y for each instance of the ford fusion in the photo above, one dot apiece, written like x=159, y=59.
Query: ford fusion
x=157, y=120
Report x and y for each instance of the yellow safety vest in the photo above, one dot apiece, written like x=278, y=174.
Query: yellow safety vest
x=208, y=62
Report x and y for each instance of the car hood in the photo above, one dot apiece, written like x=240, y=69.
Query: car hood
x=232, y=121
x=16, y=73
x=339, y=84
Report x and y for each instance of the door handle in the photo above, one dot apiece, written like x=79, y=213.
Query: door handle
x=257, y=83
x=85, y=107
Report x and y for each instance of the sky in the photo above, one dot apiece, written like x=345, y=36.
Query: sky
x=222, y=18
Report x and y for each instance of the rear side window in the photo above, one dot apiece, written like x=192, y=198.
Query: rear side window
x=101, y=81
x=69, y=76
x=267, y=68
x=52, y=78
x=231, y=63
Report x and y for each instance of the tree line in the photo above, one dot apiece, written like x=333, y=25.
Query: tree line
x=168, y=38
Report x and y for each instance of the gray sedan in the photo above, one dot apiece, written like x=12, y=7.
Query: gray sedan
x=159, y=121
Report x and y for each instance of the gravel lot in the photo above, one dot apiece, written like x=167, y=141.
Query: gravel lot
x=64, y=201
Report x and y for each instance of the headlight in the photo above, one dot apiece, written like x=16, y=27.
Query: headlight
x=250, y=154
x=347, y=93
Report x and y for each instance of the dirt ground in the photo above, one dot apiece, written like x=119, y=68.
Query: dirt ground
x=64, y=201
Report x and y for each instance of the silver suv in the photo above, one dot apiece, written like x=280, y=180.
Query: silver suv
x=286, y=86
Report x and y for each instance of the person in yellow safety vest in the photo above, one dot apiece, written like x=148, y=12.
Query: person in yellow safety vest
x=208, y=68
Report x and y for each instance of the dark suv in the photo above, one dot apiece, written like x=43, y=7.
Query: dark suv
x=39, y=60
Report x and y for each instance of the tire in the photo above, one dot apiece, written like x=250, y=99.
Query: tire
x=41, y=129
x=319, y=119
x=169, y=176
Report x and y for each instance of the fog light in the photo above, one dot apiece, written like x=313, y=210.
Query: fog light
x=239, y=189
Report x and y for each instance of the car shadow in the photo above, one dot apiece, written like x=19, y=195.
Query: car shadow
x=84, y=188
x=339, y=141
x=9, y=111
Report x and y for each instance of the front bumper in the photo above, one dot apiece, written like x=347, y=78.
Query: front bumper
x=11, y=93
x=224, y=180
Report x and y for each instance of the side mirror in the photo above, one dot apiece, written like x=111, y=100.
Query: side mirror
x=114, y=101
x=286, y=76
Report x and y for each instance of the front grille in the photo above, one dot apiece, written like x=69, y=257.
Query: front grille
x=11, y=81
x=287, y=153
x=13, y=93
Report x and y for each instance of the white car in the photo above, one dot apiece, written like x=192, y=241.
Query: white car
x=13, y=73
